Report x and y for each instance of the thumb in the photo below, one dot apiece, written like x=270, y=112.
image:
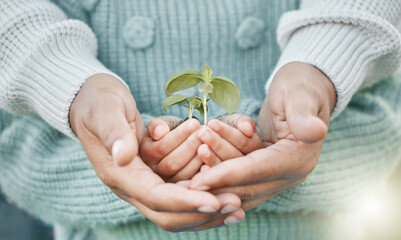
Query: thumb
x=124, y=146
x=302, y=114
x=159, y=127
x=242, y=122
x=118, y=135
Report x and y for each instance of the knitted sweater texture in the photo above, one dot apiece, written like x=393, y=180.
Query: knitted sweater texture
x=49, y=48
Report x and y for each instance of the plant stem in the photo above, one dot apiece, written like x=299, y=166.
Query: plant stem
x=205, y=108
x=190, y=111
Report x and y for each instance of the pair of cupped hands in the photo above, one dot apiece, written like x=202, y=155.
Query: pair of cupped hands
x=194, y=177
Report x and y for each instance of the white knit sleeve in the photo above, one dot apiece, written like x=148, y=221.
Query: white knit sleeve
x=354, y=42
x=44, y=60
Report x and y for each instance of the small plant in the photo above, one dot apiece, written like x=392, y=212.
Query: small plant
x=221, y=90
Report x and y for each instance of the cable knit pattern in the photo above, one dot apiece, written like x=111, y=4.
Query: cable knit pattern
x=45, y=59
x=47, y=50
x=355, y=43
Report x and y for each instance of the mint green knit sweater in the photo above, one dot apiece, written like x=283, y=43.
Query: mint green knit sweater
x=47, y=50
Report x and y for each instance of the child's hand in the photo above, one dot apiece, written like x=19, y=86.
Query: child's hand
x=233, y=136
x=170, y=148
x=179, y=153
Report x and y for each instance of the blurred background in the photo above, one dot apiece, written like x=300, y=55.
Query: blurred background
x=16, y=224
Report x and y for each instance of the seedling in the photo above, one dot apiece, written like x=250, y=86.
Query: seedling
x=221, y=90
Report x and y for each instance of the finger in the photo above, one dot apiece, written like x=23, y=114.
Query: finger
x=179, y=157
x=157, y=150
x=173, y=221
x=110, y=124
x=251, y=192
x=188, y=171
x=139, y=127
x=205, y=168
x=254, y=203
x=139, y=182
x=159, y=127
x=230, y=208
x=261, y=165
x=248, y=205
x=302, y=109
x=222, y=148
x=184, y=183
x=226, y=219
x=207, y=156
x=238, y=139
x=241, y=122
x=266, y=123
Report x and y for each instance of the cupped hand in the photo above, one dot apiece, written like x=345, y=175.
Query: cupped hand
x=293, y=122
x=105, y=118
x=178, y=151
x=228, y=137
x=170, y=148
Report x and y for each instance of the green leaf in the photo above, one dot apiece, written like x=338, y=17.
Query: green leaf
x=225, y=94
x=201, y=111
x=207, y=73
x=174, y=99
x=206, y=88
x=195, y=101
x=182, y=80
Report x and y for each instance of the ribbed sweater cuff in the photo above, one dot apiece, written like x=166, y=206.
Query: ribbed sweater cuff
x=344, y=52
x=54, y=75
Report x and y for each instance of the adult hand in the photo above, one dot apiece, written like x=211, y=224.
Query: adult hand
x=105, y=118
x=293, y=122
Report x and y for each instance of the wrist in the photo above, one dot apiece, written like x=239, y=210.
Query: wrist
x=299, y=76
x=93, y=86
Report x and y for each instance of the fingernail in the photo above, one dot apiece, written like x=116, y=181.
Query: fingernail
x=203, y=188
x=228, y=208
x=204, y=151
x=192, y=124
x=231, y=220
x=203, y=134
x=118, y=145
x=206, y=209
x=160, y=131
x=214, y=125
x=247, y=128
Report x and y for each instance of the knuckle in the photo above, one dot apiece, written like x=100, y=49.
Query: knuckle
x=166, y=226
x=246, y=196
x=162, y=149
x=170, y=166
x=243, y=145
x=171, y=121
x=152, y=124
x=194, y=143
x=163, y=224
x=148, y=154
x=153, y=205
